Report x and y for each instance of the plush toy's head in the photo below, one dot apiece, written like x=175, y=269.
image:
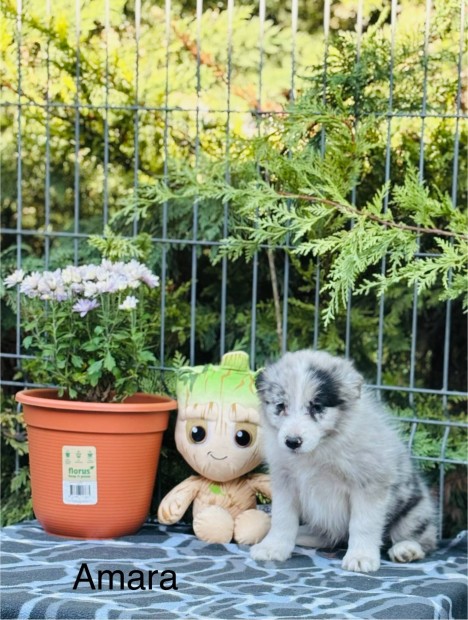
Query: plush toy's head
x=217, y=429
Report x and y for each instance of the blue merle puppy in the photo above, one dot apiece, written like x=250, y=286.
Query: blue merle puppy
x=338, y=467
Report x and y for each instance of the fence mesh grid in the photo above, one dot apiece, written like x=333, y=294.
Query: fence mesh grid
x=80, y=112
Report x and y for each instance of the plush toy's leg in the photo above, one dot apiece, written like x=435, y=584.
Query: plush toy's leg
x=214, y=525
x=251, y=527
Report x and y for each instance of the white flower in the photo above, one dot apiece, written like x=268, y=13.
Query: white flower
x=60, y=294
x=76, y=287
x=134, y=283
x=83, y=306
x=29, y=286
x=150, y=279
x=44, y=289
x=133, y=269
x=129, y=303
x=15, y=278
x=90, y=272
x=71, y=275
x=90, y=289
x=48, y=283
x=141, y=273
x=105, y=286
x=102, y=274
x=108, y=265
x=121, y=283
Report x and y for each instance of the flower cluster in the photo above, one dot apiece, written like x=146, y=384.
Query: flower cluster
x=85, y=283
x=91, y=355
x=89, y=280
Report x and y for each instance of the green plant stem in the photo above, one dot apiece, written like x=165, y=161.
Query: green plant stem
x=56, y=342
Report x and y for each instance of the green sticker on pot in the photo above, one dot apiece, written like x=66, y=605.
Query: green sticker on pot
x=79, y=475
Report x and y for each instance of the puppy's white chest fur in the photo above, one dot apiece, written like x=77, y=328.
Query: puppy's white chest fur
x=323, y=502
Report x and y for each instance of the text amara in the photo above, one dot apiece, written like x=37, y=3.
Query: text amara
x=135, y=580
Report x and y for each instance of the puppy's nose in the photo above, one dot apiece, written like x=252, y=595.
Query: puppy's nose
x=293, y=442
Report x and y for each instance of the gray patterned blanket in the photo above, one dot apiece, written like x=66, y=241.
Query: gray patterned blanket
x=165, y=572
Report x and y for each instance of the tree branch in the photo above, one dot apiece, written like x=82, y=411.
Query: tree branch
x=348, y=209
x=276, y=297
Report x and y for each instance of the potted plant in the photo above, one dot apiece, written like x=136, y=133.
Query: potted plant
x=94, y=440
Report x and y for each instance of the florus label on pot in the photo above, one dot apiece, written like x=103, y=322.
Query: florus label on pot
x=79, y=475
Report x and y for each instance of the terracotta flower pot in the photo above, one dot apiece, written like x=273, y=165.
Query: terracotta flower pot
x=93, y=465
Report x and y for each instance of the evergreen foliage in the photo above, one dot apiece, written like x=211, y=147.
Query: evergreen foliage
x=295, y=185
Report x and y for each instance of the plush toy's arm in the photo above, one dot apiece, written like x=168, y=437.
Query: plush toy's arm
x=260, y=483
x=176, y=502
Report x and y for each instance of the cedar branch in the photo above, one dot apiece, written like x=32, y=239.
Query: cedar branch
x=348, y=209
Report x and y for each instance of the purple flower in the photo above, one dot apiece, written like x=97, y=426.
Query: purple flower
x=83, y=306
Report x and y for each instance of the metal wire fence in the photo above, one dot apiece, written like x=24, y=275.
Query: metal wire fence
x=79, y=111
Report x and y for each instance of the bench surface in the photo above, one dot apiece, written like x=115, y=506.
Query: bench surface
x=216, y=581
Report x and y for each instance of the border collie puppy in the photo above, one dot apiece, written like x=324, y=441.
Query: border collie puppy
x=337, y=467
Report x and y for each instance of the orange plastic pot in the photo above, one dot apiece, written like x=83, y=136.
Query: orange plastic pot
x=93, y=465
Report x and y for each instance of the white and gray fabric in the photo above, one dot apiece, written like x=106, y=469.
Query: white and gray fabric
x=218, y=581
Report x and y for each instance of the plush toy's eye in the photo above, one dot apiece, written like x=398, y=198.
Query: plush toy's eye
x=246, y=434
x=196, y=431
x=243, y=438
x=198, y=434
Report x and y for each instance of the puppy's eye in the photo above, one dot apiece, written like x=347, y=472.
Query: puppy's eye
x=315, y=408
x=279, y=408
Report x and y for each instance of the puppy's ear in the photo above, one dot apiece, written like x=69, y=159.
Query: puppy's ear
x=351, y=381
x=260, y=382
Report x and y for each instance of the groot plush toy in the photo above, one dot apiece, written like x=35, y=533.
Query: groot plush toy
x=217, y=432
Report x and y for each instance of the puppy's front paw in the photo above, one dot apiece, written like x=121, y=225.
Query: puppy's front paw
x=363, y=562
x=270, y=550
